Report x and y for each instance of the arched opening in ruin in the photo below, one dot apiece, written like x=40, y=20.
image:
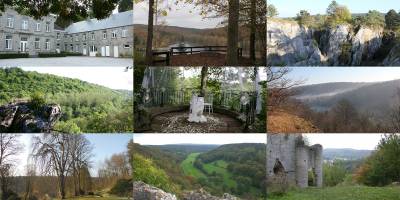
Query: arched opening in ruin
x=312, y=177
x=278, y=168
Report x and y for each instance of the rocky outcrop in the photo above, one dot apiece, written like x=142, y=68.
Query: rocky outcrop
x=20, y=118
x=393, y=59
x=142, y=191
x=365, y=44
x=291, y=44
x=203, y=195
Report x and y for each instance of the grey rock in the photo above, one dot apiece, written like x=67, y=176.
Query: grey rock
x=393, y=58
x=19, y=118
x=204, y=195
x=143, y=191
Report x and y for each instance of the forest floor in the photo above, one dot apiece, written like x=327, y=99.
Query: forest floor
x=284, y=122
x=342, y=193
x=177, y=122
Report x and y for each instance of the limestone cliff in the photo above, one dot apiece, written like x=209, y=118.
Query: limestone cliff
x=20, y=118
x=393, y=59
x=291, y=44
x=143, y=191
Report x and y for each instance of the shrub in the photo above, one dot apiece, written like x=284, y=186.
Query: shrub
x=122, y=188
x=47, y=55
x=66, y=53
x=13, y=55
x=37, y=101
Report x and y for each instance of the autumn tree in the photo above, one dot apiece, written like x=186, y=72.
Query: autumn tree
x=337, y=14
x=10, y=147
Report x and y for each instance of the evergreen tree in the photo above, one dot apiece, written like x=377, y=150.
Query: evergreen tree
x=392, y=20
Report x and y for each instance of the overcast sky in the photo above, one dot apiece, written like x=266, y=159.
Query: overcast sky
x=180, y=15
x=315, y=75
x=289, y=8
x=345, y=140
x=111, y=77
x=104, y=146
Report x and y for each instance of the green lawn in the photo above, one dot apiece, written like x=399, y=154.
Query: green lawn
x=343, y=193
x=219, y=167
x=189, y=169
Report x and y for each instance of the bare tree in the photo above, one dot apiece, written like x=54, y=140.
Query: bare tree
x=80, y=156
x=9, y=148
x=30, y=179
x=233, y=33
x=279, y=86
x=52, y=153
x=395, y=114
x=149, y=44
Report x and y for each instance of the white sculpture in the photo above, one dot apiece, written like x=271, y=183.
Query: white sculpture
x=196, y=109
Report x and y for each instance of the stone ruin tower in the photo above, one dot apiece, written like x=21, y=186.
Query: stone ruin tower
x=290, y=160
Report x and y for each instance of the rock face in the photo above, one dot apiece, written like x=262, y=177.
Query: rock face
x=291, y=44
x=20, y=118
x=203, y=195
x=294, y=45
x=393, y=59
x=142, y=191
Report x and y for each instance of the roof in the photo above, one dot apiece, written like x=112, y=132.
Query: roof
x=113, y=21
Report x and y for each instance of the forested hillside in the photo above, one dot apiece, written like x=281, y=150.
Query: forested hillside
x=85, y=107
x=238, y=169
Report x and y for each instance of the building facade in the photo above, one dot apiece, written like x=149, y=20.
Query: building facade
x=110, y=37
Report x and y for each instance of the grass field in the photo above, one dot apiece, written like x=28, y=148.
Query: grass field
x=219, y=167
x=343, y=193
x=189, y=169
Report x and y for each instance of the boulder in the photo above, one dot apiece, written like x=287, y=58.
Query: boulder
x=365, y=43
x=143, y=191
x=204, y=195
x=20, y=118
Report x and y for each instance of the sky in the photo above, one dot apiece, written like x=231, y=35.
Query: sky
x=161, y=139
x=316, y=75
x=180, y=15
x=345, y=140
x=104, y=146
x=289, y=8
x=111, y=77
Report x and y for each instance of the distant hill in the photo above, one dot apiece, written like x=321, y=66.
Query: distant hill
x=183, y=150
x=376, y=97
x=345, y=154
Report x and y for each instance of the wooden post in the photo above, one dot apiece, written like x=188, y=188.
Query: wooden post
x=168, y=58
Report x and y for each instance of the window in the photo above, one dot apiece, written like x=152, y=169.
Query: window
x=47, y=26
x=58, y=36
x=72, y=47
x=24, y=24
x=104, y=35
x=8, y=42
x=37, y=26
x=10, y=22
x=47, y=44
x=71, y=38
x=76, y=37
x=92, y=36
x=127, y=46
x=124, y=33
x=93, y=48
x=77, y=48
x=84, y=37
x=37, y=43
x=114, y=34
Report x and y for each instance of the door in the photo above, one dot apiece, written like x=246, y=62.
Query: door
x=103, y=51
x=116, y=54
x=108, y=51
x=84, y=51
x=23, y=45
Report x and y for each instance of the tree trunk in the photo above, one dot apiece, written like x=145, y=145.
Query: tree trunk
x=203, y=86
x=149, y=44
x=62, y=186
x=253, y=19
x=233, y=33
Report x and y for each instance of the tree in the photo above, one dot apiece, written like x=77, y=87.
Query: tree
x=65, y=9
x=80, y=156
x=272, y=11
x=304, y=18
x=9, y=148
x=337, y=14
x=52, y=152
x=149, y=44
x=125, y=5
x=372, y=19
x=233, y=33
x=203, y=84
x=392, y=20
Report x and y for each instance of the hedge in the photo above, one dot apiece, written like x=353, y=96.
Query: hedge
x=46, y=55
x=13, y=55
